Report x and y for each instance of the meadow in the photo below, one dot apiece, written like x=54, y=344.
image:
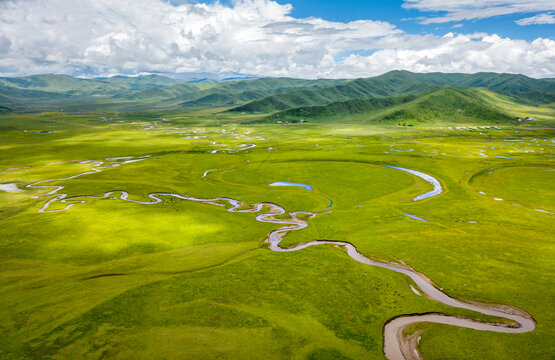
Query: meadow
x=108, y=278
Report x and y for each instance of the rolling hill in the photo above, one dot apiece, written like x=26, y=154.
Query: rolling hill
x=397, y=83
x=76, y=86
x=49, y=92
x=441, y=104
x=353, y=89
x=260, y=95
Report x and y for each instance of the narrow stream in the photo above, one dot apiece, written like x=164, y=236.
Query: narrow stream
x=432, y=180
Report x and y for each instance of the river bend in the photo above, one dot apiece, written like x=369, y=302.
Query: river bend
x=396, y=345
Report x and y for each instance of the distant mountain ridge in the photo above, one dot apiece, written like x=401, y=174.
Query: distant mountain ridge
x=398, y=83
x=256, y=95
x=68, y=84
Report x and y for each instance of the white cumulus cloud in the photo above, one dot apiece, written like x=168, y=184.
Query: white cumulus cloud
x=106, y=36
x=258, y=37
x=458, y=53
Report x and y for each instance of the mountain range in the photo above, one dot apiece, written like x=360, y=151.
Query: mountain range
x=390, y=97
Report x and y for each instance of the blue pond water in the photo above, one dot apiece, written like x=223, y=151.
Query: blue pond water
x=284, y=183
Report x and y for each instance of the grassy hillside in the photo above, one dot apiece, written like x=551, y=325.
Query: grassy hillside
x=25, y=100
x=77, y=86
x=353, y=89
x=219, y=99
x=520, y=87
x=191, y=92
x=544, y=114
x=173, y=91
x=397, y=83
x=445, y=104
x=53, y=92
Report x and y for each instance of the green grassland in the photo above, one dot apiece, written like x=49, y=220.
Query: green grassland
x=185, y=280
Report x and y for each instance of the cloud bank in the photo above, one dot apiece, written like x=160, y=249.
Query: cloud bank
x=257, y=37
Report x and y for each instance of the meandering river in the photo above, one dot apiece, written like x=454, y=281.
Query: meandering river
x=396, y=345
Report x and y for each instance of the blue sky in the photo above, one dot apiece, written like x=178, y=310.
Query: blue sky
x=295, y=38
x=393, y=12
x=406, y=19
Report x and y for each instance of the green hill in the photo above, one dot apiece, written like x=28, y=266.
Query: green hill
x=227, y=93
x=52, y=92
x=352, y=89
x=439, y=105
x=220, y=99
x=520, y=87
x=50, y=83
x=15, y=94
x=76, y=86
x=169, y=92
x=397, y=83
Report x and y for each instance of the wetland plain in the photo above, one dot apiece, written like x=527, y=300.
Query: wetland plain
x=123, y=235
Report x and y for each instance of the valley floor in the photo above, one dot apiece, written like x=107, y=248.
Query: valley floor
x=88, y=271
